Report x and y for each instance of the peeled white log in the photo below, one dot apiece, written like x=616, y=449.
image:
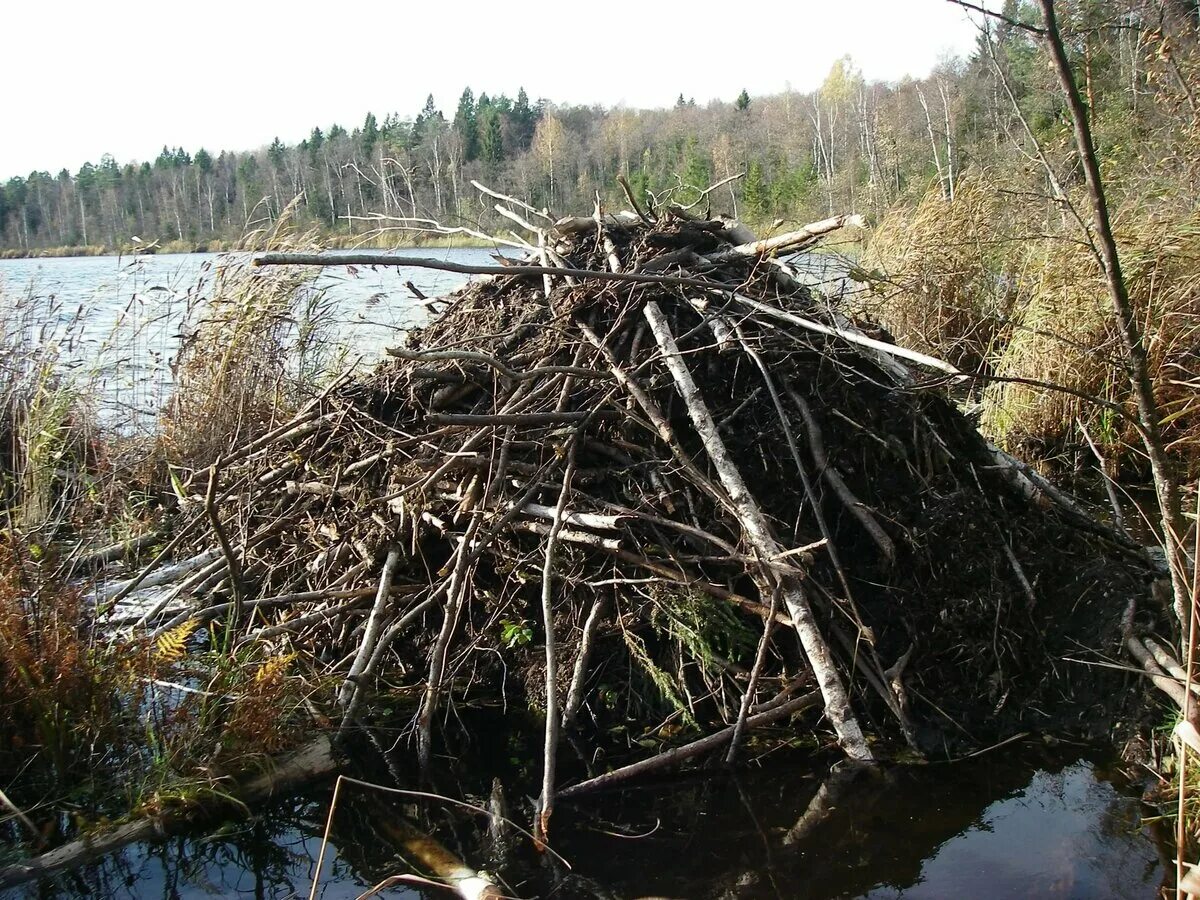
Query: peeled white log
x=165, y=575
x=570, y=535
x=793, y=240
x=851, y=337
x=1162, y=681
x=758, y=533
x=437, y=861
x=582, y=519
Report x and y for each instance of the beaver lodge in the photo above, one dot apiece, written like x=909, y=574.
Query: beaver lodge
x=649, y=484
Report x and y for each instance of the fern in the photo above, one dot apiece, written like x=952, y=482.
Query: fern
x=171, y=645
x=273, y=668
x=660, y=679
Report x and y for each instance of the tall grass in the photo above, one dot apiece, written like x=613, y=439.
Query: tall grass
x=943, y=279
x=78, y=704
x=1065, y=335
x=254, y=348
x=976, y=281
x=43, y=417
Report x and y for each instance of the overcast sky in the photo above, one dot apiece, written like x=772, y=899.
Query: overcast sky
x=80, y=79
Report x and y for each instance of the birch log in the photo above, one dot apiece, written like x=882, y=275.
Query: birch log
x=758, y=533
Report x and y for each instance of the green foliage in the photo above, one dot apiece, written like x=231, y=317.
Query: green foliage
x=754, y=191
x=705, y=628
x=491, y=141
x=697, y=172
x=667, y=690
x=467, y=126
x=742, y=103
x=516, y=633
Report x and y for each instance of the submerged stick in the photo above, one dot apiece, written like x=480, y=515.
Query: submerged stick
x=758, y=533
x=451, y=871
x=311, y=761
x=671, y=758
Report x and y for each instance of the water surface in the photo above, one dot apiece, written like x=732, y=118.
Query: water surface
x=116, y=320
x=989, y=829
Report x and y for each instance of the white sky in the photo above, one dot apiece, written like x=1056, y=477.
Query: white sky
x=80, y=79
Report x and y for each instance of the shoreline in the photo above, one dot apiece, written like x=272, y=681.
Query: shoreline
x=218, y=246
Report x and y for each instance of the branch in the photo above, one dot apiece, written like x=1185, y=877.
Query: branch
x=1032, y=29
x=512, y=374
x=365, y=258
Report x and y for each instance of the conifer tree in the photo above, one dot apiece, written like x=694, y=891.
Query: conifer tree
x=466, y=124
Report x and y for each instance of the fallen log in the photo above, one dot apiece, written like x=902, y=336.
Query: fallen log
x=310, y=762
x=758, y=533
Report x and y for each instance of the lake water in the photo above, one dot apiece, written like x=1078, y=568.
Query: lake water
x=1006, y=827
x=115, y=322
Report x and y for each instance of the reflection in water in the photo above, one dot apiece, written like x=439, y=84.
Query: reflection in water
x=990, y=828
x=981, y=830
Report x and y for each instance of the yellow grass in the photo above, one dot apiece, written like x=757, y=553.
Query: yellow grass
x=941, y=273
x=1064, y=334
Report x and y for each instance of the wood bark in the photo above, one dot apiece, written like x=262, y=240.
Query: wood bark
x=758, y=533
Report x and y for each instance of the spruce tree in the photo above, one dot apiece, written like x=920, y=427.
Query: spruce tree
x=491, y=142
x=754, y=190
x=369, y=135
x=467, y=125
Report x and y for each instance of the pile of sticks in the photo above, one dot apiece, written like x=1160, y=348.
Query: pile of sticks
x=647, y=468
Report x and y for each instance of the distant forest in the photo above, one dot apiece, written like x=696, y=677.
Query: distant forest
x=850, y=145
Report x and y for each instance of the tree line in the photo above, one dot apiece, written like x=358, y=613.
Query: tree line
x=851, y=144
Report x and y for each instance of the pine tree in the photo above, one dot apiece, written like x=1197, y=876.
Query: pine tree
x=743, y=101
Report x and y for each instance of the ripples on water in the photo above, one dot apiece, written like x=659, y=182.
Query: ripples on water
x=116, y=321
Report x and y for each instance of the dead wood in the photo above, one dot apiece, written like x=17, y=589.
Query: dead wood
x=622, y=462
